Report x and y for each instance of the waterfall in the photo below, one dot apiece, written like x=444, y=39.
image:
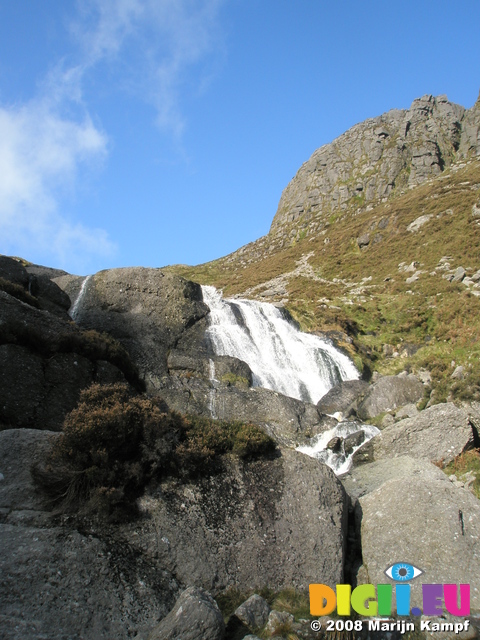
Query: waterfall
x=75, y=308
x=296, y=364
x=336, y=458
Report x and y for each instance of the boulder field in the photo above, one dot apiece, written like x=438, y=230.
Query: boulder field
x=281, y=521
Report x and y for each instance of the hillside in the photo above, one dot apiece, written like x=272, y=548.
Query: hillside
x=394, y=263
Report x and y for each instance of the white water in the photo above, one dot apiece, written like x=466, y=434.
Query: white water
x=281, y=358
x=339, y=462
x=74, y=310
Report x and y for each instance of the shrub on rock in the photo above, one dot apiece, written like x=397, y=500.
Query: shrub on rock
x=115, y=442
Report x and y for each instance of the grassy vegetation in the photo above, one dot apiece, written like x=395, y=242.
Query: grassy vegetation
x=467, y=463
x=19, y=292
x=364, y=293
x=231, y=379
x=115, y=442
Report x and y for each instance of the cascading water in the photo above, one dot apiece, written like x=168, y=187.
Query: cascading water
x=281, y=358
x=74, y=310
x=337, y=458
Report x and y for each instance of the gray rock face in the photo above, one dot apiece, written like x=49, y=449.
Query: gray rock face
x=48, y=295
x=470, y=140
x=289, y=421
x=343, y=397
x=19, y=449
x=253, y=612
x=389, y=393
x=195, y=616
x=399, y=148
x=147, y=310
x=439, y=434
x=421, y=518
x=37, y=388
x=278, y=522
x=57, y=582
x=360, y=481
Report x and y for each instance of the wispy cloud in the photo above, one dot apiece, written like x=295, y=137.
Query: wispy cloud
x=153, y=48
x=158, y=45
x=41, y=153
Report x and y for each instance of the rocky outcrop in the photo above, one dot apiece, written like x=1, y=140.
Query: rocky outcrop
x=148, y=311
x=58, y=582
x=439, y=434
x=288, y=421
x=195, y=616
x=35, y=281
x=399, y=148
x=278, y=522
x=470, y=140
x=42, y=370
x=432, y=524
x=390, y=392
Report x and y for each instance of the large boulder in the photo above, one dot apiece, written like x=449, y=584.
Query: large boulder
x=195, y=616
x=423, y=519
x=390, y=392
x=57, y=582
x=148, y=310
x=278, y=522
x=440, y=433
x=343, y=397
x=253, y=612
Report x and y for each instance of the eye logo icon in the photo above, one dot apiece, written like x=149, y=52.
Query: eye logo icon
x=403, y=572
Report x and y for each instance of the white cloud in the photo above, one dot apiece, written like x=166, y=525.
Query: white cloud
x=41, y=153
x=151, y=47
x=156, y=43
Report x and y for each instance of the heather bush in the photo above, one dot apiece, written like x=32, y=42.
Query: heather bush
x=116, y=441
x=17, y=291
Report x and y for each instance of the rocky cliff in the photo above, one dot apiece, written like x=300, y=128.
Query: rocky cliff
x=397, y=150
x=376, y=241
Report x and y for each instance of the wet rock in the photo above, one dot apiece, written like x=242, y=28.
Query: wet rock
x=195, y=616
x=353, y=441
x=335, y=444
x=343, y=397
x=287, y=420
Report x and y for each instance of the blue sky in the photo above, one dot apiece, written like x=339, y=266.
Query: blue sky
x=154, y=132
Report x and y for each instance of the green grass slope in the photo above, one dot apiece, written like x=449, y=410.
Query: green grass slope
x=392, y=297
